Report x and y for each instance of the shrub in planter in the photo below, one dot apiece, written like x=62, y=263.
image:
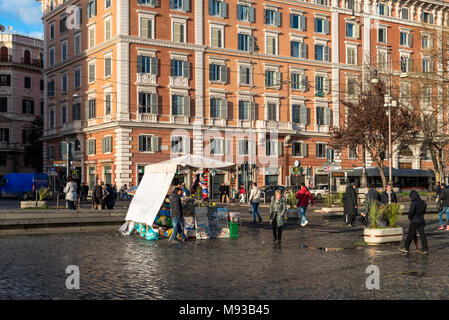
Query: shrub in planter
x=377, y=234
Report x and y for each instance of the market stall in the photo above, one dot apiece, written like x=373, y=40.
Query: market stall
x=151, y=194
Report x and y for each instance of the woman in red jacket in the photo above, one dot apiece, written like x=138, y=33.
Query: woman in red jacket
x=303, y=197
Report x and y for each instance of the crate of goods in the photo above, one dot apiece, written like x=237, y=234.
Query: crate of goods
x=213, y=225
x=225, y=209
x=201, y=210
x=202, y=227
x=189, y=227
x=223, y=225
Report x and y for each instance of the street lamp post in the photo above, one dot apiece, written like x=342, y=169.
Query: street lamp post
x=388, y=102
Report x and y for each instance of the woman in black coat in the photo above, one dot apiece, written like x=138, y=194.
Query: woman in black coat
x=416, y=214
x=350, y=205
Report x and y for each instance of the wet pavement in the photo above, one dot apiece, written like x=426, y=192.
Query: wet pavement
x=324, y=260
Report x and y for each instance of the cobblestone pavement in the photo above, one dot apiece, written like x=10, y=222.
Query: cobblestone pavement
x=324, y=260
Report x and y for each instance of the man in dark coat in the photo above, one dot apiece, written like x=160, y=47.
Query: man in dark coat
x=97, y=196
x=350, y=205
x=389, y=196
x=417, y=223
x=443, y=198
x=176, y=213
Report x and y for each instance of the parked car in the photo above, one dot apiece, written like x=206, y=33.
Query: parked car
x=23, y=185
x=319, y=191
x=269, y=191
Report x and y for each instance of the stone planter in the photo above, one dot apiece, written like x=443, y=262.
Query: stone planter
x=32, y=204
x=378, y=236
x=332, y=212
x=292, y=213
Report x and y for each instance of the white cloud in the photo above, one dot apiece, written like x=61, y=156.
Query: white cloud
x=26, y=12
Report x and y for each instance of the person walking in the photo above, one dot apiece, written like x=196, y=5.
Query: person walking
x=176, y=214
x=389, y=196
x=84, y=191
x=227, y=193
x=222, y=191
x=110, y=196
x=444, y=198
x=70, y=193
x=438, y=188
x=97, y=196
x=242, y=194
x=350, y=205
x=417, y=223
x=304, y=196
x=278, y=210
x=254, y=199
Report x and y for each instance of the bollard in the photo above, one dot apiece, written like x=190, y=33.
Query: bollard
x=57, y=201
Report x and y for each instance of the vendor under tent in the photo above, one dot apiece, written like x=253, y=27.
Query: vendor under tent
x=156, y=182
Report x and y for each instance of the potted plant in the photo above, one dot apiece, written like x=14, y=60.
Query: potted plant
x=43, y=193
x=331, y=208
x=292, y=212
x=375, y=234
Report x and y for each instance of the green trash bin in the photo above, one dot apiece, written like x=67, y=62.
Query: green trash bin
x=234, y=230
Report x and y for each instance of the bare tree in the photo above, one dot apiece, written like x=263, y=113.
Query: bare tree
x=425, y=91
x=367, y=124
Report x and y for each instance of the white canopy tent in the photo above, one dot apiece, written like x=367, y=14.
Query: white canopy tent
x=156, y=182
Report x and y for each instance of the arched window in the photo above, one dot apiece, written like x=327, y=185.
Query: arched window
x=4, y=54
x=27, y=57
x=405, y=151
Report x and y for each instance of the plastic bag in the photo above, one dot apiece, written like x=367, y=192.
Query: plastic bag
x=151, y=234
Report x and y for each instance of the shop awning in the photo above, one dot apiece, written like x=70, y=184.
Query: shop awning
x=156, y=182
x=374, y=172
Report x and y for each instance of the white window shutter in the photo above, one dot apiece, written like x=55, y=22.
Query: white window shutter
x=303, y=114
x=280, y=146
x=326, y=26
x=357, y=31
x=224, y=10
x=187, y=105
x=224, y=108
x=303, y=50
x=278, y=19
x=224, y=74
x=326, y=85
x=186, y=5
x=154, y=103
x=327, y=116
x=303, y=149
x=253, y=110
x=186, y=71
x=302, y=23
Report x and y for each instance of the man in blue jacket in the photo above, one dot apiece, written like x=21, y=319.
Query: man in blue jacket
x=417, y=223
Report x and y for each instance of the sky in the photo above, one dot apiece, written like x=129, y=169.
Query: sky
x=23, y=15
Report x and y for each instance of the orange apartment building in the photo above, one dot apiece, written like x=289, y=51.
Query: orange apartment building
x=142, y=80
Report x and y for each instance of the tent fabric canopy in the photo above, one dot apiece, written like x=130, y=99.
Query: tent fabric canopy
x=156, y=182
x=188, y=161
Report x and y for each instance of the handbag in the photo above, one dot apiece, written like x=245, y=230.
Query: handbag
x=440, y=205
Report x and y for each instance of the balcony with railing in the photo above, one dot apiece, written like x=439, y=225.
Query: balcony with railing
x=23, y=61
x=11, y=146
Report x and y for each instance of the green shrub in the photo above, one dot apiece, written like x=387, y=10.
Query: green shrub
x=373, y=213
x=393, y=213
x=43, y=193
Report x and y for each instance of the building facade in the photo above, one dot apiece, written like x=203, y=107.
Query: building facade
x=21, y=98
x=129, y=83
